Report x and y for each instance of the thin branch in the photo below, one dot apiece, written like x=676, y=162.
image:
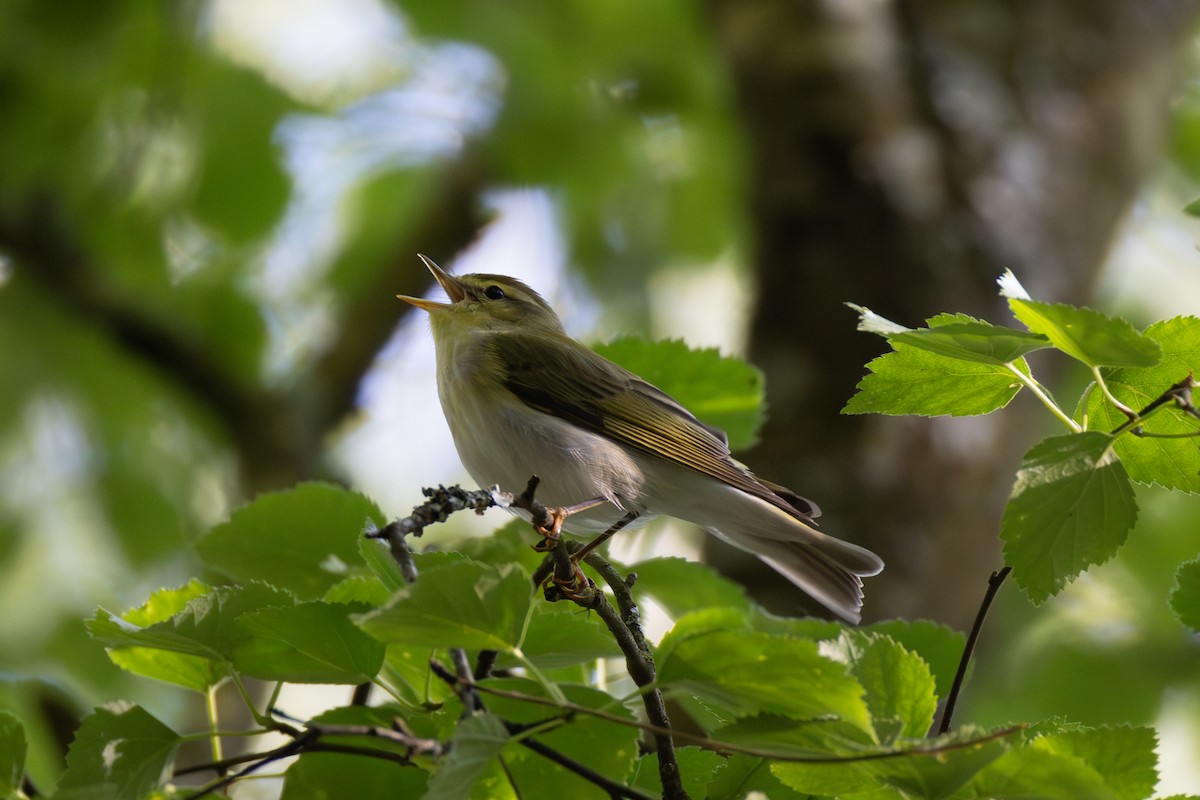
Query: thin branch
x=728, y=748
x=960, y=675
x=1179, y=393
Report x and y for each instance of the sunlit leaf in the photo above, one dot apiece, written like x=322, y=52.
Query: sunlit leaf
x=1168, y=460
x=1071, y=507
x=1123, y=756
x=936, y=371
x=939, y=645
x=748, y=672
x=1089, y=336
x=899, y=686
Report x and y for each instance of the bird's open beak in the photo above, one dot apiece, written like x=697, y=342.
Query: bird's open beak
x=447, y=281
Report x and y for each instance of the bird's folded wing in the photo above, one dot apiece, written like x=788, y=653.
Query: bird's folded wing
x=568, y=381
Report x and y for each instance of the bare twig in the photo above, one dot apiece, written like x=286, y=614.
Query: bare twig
x=960, y=675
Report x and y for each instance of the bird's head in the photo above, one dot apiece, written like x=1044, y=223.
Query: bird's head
x=485, y=302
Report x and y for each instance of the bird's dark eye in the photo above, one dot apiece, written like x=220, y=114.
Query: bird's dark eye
x=494, y=292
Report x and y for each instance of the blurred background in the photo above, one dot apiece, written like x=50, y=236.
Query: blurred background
x=207, y=208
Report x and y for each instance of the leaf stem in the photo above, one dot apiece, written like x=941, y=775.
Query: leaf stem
x=1041, y=394
x=210, y=702
x=1110, y=397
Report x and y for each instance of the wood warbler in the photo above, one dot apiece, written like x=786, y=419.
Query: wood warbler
x=522, y=398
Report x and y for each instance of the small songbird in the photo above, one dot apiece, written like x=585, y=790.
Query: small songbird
x=522, y=398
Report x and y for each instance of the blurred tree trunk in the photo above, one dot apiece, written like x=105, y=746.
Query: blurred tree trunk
x=903, y=154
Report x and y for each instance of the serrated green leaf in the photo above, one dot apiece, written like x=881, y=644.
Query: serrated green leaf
x=1087, y=335
x=940, y=646
x=742, y=776
x=307, y=643
x=366, y=589
x=748, y=672
x=460, y=603
x=1071, y=507
x=914, y=381
x=681, y=586
x=122, y=748
x=204, y=628
x=477, y=741
x=931, y=768
x=1123, y=756
x=559, y=636
x=1170, y=462
x=304, y=539
x=899, y=686
x=190, y=670
x=12, y=753
x=975, y=341
x=722, y=391
x=1185, y=596
x=1029, y=772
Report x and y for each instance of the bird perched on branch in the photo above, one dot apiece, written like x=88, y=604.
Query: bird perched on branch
x=522, y=398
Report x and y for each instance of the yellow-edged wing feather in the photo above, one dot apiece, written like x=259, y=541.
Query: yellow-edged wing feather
x=556, y=375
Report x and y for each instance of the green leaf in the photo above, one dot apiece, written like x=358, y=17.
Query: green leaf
x=1185, y=597
x=477, y=741
x=1071, y=507
x=609, y=748
x=742, y=776
x=899, y=686
x=940, y=646
x=1123, y=756
x=976, y=341
x=1030, y=772
x=919, y=380
x=119, y=748
x=931, y=768
x=195, y=672
x=722, y=391
x=304, y=540
x=747, y=672
x=697, y=768
x=322, y=776
x=307, y=643
x=942, y=775
x=460, y=603
x=559, y=636
x=1087, y=335
x=12, y=753
x=681, y=586
x=1170, y=462
x=206, y=627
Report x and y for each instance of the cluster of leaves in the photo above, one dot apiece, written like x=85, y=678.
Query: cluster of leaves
x=789, y=707
x=1072, y=504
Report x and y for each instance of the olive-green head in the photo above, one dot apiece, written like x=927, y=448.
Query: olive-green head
x=485, y=302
